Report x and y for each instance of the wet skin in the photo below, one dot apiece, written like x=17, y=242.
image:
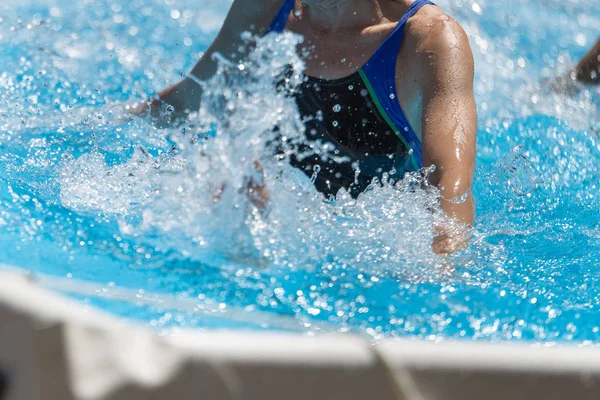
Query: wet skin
x=434, y=78
x=588, y=69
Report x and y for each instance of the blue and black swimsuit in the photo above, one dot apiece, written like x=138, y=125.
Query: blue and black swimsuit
x=360, y=115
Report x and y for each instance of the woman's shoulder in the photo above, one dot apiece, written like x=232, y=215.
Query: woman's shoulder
x=431, y=30
x=439, y=45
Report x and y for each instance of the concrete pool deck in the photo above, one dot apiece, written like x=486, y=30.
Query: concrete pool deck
x=55, y=348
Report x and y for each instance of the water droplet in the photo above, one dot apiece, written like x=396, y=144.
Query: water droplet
x=343, y=60
x=351, y=87
x=335, y=124
x=337, y=108
x=392, y=96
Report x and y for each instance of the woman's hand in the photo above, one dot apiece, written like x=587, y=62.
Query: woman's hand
x=176, y=102
x=450, y=239
x=172, y=105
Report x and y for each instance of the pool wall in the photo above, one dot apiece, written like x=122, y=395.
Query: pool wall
x=55, y=348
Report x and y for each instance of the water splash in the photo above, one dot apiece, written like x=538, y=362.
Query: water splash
x=88, y=193
x=198, y=193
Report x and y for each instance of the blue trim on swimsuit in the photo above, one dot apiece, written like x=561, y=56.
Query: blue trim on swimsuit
x=381, y=70
x=280, y=21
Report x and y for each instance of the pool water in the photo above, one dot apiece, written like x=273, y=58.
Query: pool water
x=121, y=215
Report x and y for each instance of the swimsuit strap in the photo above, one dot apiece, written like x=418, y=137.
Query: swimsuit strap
x=391, y=46
x=379, y=74
x=280, y=21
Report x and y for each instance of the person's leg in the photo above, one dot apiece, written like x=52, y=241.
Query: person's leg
x=588, y=69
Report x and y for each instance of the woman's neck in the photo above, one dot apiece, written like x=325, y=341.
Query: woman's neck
x=338, y=15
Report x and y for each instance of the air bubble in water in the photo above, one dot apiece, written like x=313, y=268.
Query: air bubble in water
x=316, y=170
x=337, y=108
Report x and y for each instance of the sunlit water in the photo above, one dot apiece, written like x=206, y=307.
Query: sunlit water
x=123, y=216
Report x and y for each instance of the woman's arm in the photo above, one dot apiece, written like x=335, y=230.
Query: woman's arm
x=449, y=124
x=244, y=16
x=588, y=69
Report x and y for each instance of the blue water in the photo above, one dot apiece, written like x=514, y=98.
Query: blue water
x=94, y=198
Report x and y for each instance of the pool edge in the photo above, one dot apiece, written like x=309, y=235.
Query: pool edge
x=52, y=347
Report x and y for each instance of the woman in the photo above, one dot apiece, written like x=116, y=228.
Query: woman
x=393, y=80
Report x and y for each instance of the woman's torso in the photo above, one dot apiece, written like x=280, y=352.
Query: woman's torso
x=341, y=104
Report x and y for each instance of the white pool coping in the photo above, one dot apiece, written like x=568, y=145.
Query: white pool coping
x=52, y=347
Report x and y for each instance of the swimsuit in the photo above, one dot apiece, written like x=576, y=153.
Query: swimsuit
x=360, y=115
